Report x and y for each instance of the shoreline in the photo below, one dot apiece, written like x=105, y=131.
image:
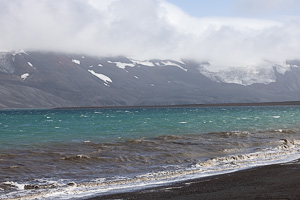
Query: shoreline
x=284, y=103
x=276, y=181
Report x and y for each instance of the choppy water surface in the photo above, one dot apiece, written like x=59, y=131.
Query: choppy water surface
x=66, y=154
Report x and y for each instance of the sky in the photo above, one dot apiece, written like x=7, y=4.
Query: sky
x=252, y=33
x=204, y=8
x=239, y=8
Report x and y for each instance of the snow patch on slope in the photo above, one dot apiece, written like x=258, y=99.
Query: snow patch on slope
x=24, y=76
x=30, y=64
x=169, y=63
x=76, y=61
x=13, y=52
x=241, y=76
x=104, y=78
x=282, y=68
x=265, y=73
x=145, y=63
x=19, y=52
x=122, y=65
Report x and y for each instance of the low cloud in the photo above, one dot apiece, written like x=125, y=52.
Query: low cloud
x=144, y=30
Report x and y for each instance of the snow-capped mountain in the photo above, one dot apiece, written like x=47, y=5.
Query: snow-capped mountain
x=245, y=75
x=43, y=80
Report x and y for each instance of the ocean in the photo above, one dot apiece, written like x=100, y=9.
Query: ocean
x=77, y=154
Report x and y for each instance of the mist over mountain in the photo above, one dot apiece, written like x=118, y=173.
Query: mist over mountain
x=235, y=51
x=153, y=29
x=47, y=80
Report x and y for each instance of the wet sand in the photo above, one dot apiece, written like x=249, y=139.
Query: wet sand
x=279, y=181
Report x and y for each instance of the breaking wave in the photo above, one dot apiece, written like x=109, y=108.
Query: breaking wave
x=227, y=160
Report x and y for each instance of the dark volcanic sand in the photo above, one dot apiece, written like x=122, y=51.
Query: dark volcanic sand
x=279, y=181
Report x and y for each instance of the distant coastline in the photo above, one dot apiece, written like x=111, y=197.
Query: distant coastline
x=285, y=103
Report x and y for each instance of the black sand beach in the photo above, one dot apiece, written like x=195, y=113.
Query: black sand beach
x=278, y=181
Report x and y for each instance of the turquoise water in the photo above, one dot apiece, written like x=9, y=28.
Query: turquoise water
x=29, y=127
x=47, y=154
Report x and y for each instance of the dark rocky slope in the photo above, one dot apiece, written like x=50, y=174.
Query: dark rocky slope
x=47, y=80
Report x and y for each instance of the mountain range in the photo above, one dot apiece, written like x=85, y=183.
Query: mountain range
x=51, y=80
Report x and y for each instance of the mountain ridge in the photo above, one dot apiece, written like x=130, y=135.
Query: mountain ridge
x=50, y=80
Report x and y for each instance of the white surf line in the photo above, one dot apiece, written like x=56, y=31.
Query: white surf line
x=210, y=167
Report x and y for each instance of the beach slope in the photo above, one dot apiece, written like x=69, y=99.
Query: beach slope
x=278, y=181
